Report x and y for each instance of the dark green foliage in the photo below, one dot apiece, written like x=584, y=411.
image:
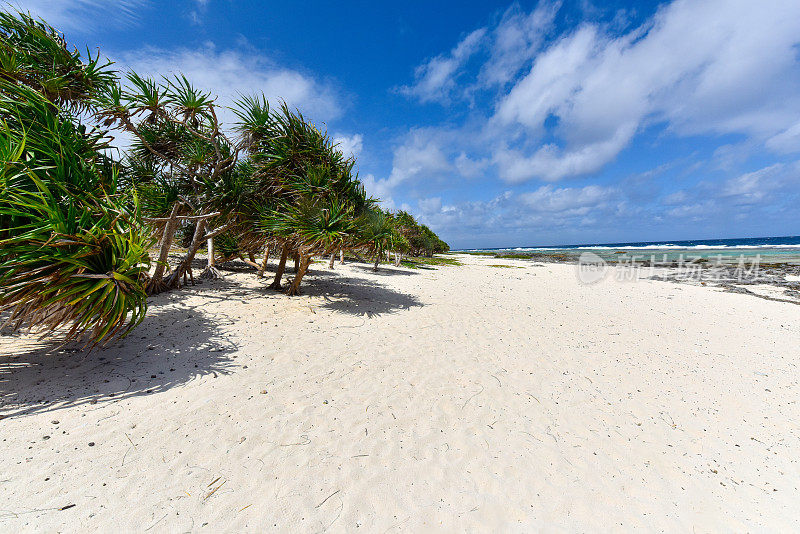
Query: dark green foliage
x=72, y=251
x=35, y=55
x=421, y=240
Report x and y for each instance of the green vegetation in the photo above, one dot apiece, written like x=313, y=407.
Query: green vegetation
x=73, y=250
x=77, y=223
x=513, y=256
x=422, y=262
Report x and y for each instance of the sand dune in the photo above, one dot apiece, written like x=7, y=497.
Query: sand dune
x=468, y=398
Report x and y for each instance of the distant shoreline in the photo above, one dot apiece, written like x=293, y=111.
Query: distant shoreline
x=738, y=242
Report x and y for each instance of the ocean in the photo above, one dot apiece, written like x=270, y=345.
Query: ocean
x=784, y=249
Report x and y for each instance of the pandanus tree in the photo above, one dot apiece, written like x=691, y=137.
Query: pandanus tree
x=418, y=238
x=311, y=226
x=375, y=234
x=179, y=162
x=301, y=178
x=72, y=253
x=33, y=54
x=75, y=225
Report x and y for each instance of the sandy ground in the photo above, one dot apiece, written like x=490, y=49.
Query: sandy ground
x=469, y=398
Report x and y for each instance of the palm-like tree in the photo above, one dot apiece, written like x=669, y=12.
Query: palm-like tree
x=35, y=55
x=376, y=235
x=312, y=227
x=180, y=162
x=72, y=250
x=307, y=185
x=75, y=225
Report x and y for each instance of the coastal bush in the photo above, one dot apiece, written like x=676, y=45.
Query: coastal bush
x=73, y=253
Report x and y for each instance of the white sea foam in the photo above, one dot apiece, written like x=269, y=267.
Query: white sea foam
x=666, y=246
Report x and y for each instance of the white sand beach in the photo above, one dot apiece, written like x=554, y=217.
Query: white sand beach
x=469, y=398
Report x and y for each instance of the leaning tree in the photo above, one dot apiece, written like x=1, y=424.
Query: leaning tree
x=72, y=252
x=179, y=162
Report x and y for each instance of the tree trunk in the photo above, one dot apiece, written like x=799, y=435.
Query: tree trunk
x=211, y=272
x=251, y=256
x=170, y=227
x=341, y=256
x=276, y=284
x=333, y=257
x=377, y=259
x=294, y=289
x=264, y=263
x=174, y=279
x=296, y=262
x=398, y=258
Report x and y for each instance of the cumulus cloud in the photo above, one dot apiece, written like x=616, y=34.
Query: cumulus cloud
x=701, y=67
x=568, y=200
x=570, y=103
x=544, y=210
x=765, y=191
x=230, y=73
x=430, y=205
x=468, y=167
x=350, y=145
x=422, y=154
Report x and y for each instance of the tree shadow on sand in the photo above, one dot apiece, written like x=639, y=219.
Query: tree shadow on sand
x=383, y=270
x=172, y=346
x=356, y=296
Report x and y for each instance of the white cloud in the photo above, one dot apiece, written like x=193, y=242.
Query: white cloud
x=430, y=205
x=568, y=200
x=542, y=210
x=350, y=145
x=552, y=163
x=676, y=198
x=82, y=15
x=787, y=141
x=758, y=186
x=435, y=79
x=469, y=168
x=516, y=39
x=421, y=155
x=696, y=211
x=569, y=105
x=231, y=73
x=770, y=188
x=723, y=66
x=509, y=46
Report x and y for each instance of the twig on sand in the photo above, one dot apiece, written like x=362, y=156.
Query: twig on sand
x=305, y=437
x=326, y=498
x=157, y=522
x=212, y=492
x=472, y=397
x=534, y=398
x=531, y=435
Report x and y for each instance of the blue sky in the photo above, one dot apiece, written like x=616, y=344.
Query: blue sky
x=530, y=123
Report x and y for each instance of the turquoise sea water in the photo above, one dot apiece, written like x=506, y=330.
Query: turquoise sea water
x=784, y=249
